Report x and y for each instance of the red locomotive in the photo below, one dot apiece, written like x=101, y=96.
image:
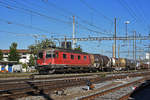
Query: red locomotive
x=66, y=60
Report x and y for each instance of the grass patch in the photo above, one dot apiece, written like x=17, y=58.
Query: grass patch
x=103, y=75
x=8, y=75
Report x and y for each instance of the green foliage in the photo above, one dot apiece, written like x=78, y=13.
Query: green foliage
x=78, y=48
x=33, y=49
x=103, y=75
x=24, y=66
x=47, y=43
x=31, y=61
x=13, y=54
x=1, y=55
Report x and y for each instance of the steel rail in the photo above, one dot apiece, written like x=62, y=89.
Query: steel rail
x=91, y=97
x=59, y=85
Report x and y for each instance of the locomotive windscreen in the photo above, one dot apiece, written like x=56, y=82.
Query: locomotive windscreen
x=50, y=54
x=40, y=55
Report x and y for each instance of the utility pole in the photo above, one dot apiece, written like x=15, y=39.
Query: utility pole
x=113, y=51
x=65, y=42
x=128, y=49
x=73, y=33
x=114, y=55
x=149, y=60
x=135, y=45
x=126, y=23
x=119, y=51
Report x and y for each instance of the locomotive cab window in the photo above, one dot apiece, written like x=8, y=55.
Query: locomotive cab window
x=84, y=57
x=64, y=56
x=40, y=55
x=79, y=57
x=72, y=56
x=56, y=54
x=53, y=55
x=50, y=54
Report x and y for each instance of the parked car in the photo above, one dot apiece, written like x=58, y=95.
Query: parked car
x=17, y=68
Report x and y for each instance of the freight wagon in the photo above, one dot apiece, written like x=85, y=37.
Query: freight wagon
x=123, y=64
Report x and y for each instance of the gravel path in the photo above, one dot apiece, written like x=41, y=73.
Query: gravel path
x=74, y=93
x=117, y=94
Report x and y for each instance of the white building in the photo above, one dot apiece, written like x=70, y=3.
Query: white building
x=24, y=55
x=147, y=55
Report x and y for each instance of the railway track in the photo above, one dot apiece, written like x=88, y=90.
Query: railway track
x=34, y=87
x=58, y=76
x=114, y=93
x=97, y=95
x=125, y=97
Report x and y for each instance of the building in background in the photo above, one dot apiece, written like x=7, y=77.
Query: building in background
x=24, y=55
x=147, y=55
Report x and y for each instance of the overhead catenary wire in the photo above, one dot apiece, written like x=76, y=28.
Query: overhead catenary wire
x=125, y=5
x=138, y=19
x=78, y=17
x=37, y=13
x=83, y=27
x=36, y=36
x=142, y=12
x=32, y=34
x=34, y=12
x=96, y=11
x=21, y=34
x=41, y=7
x=23, y=25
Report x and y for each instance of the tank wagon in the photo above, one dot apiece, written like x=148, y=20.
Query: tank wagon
x=72, y=61
x=101, y=62
x=123, y=64
x=143, y=65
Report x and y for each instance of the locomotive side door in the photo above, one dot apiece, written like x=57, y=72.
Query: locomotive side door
x=50, y=57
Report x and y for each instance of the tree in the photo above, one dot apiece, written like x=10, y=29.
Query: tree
x=31, y=61
x=33, y=49
x=13, y=54
x=1, y=55
x=24, y=65
x=78, y=48
x=47, y=43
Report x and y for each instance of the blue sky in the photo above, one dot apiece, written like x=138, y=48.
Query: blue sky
x=20, y=19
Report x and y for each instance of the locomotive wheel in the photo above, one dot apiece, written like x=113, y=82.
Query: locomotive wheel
x=51, y=71
x=40, y=72
x=94, y=70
